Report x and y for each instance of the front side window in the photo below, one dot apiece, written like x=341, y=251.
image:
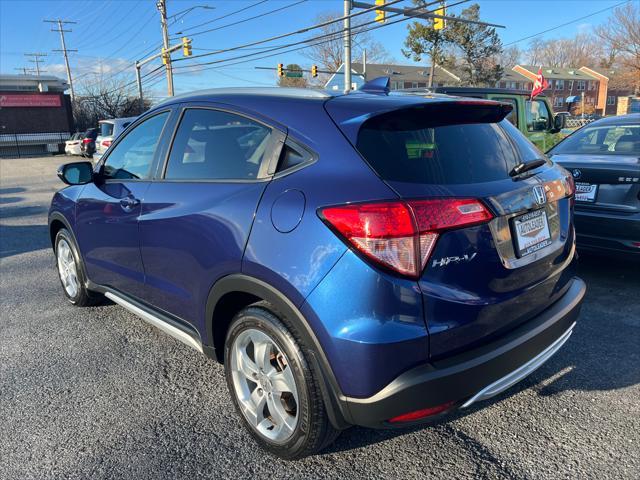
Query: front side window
x=602, y=140
x=216, y=145
x=132, y=157
x=538, y=117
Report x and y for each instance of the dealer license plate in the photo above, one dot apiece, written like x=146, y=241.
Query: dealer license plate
x=586, y=192
x=531, y=232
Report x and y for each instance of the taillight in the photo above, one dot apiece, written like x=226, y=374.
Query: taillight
x=106, y=143
x=402, y=235
x=86, y=140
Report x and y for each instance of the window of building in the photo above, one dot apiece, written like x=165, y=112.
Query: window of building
x=559, y=84
x=592, y=85
x=558, y=101
x=611, y=100
x=581, y=85
x=570, y=85
x=215, y=145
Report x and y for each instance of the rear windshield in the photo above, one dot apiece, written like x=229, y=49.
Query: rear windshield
x=602, y=140
x=415, y=147
x=106, y=129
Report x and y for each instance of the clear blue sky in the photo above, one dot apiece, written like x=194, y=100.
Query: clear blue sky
x=109, y=34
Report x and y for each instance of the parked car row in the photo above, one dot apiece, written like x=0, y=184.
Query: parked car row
x=95, y=141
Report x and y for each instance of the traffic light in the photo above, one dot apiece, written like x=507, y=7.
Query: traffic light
x=164, y=56
x=314, y=70
x=439, y=23
x=186, y=47
x=280, y=70
x=380, y=14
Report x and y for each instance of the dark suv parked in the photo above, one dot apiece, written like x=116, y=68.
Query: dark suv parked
x=365, y=259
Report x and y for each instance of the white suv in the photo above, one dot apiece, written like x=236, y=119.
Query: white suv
x=109, y=131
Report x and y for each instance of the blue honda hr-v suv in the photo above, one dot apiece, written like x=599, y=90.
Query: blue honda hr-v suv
x=369, y=259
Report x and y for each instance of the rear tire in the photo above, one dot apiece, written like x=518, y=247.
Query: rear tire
x=71, y=271
x=272, y=386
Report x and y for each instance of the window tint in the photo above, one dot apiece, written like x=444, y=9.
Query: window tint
x=605, y=140
x=106, y=129
x=132, y=157
x=214, y=145
x=449, y=154
x=538, y=118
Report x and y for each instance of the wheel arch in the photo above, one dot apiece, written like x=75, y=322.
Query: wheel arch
x=58, y=221
x=234, y=292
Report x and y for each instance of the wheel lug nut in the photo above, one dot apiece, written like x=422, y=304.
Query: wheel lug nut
x=260, y=391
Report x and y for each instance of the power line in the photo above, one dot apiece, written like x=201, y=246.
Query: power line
x=36, y=59
x=565, y=24
x=332, y=37
x=222, y=16
x=296, y=32
x=247, y=19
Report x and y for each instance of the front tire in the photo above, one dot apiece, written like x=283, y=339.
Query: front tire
x=71, y=271
x=273, y=387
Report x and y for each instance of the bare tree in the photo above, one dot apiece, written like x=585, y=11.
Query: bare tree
x=620, y=37
x=509, y=57
x=101, y=97
x=329, y=54
x=583, y=49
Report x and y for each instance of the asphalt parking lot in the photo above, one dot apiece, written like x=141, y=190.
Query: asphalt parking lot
x=97, y=393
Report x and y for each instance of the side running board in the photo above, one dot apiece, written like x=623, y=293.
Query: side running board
x=165, y=325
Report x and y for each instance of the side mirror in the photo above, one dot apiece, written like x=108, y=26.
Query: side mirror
x=76, y=173
x=559, y=122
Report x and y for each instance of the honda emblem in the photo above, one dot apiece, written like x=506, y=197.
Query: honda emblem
x=540, y=195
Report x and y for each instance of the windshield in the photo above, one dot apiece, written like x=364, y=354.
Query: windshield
x=622, y=139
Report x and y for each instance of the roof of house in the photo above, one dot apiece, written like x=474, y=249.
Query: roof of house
x=28, y=83
x=512, y=76
x=406, y=73
x=572, y=73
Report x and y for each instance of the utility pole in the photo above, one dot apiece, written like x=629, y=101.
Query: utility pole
x=64, y=50
x=36, y=60
x=347, y=46
x=24, y=70
x=139, y=82
x=162, y=8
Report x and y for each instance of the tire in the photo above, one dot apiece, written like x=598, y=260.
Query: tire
x=71, y=271
x=299, y=424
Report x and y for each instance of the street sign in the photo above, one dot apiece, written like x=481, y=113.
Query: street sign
x=293, y=74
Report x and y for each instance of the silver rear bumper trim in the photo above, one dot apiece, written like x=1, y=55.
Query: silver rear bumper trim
x=515, y=376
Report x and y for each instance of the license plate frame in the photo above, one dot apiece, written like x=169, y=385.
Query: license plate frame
x=589, y=193
x=530, y=232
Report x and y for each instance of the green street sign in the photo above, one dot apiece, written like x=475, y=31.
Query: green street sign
x=293, y=74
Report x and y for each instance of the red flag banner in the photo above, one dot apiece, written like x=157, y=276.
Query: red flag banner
x=540, y=85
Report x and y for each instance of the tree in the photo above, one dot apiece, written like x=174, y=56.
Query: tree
x=620, y=37
x=470, y=48
x=476, y=47
x=103, y=97
x=293, y=81
x=581, y=50
x=329, y=54
x=509, y=57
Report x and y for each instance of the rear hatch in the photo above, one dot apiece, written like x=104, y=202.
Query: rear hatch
x=481, y=280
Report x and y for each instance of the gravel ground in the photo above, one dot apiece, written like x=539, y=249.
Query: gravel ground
x=96, y=393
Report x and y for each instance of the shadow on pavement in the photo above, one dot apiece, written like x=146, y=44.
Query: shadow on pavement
x=10, y=190
x=17, y=239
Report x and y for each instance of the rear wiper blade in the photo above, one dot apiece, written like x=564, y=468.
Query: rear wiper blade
x=526, y=166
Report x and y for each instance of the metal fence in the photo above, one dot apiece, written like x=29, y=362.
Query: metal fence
x=15, y=145
x=577, y=122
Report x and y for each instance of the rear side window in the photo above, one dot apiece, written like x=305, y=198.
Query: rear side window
x=417, y=150
x=603, y=140
x=216, y=145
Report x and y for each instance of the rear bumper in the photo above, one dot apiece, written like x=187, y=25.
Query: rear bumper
x=607, y=232
x=473, y=375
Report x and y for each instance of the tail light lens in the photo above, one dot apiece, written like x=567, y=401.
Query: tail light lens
x=402, y=235
x=86, y=140
x=106, y=143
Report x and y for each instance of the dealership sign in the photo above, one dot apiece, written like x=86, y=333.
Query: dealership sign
x=26, y=100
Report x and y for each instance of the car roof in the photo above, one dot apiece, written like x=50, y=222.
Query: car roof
x=617, y=120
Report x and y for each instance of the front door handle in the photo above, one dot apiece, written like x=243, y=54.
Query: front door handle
x=129, y=203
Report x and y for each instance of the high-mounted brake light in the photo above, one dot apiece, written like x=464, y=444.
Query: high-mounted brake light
x=402, y=235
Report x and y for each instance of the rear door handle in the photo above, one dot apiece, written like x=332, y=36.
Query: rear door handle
x=129, y=203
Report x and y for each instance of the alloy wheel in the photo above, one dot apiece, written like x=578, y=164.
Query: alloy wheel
x=264, y=385
x=67, y=268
